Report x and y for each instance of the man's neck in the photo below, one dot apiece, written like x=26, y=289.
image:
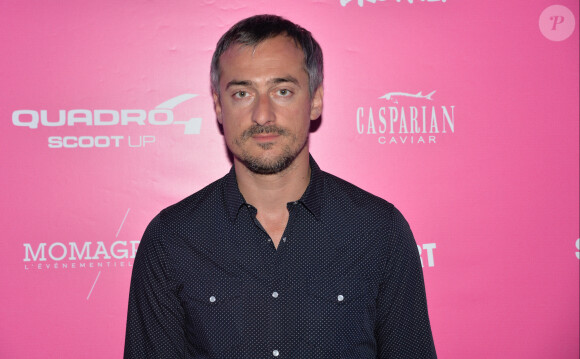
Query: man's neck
x=272, y=192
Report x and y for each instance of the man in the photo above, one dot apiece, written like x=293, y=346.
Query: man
x=276, y=259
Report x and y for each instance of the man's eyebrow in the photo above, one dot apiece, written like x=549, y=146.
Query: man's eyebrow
x=238, y=83
x=279, y=80
x=274, y=81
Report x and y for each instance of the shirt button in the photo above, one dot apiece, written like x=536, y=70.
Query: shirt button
x=212, y=299
x=275, y=353
x=275, y=294
x=284, y=239
x=340, y=297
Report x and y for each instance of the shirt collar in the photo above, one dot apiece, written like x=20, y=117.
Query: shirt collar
x=311, y=199
x=232, y=195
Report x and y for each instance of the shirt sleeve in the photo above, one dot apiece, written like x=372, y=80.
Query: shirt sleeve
x=155, y=318
x=402, y=329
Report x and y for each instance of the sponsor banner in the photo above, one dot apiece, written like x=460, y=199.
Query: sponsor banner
x=464, y=114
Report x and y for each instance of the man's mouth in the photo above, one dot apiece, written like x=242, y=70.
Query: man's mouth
x=267, y=137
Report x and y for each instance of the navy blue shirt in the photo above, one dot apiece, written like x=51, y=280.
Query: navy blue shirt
x=345, y=281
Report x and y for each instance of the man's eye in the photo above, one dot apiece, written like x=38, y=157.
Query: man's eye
x=240, y=94
x=284, y=92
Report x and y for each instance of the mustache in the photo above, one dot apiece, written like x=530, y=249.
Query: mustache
x=259, y=130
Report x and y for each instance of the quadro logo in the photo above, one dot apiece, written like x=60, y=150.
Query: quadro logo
x=408, y=118
x=161, y=115
x=361, y=2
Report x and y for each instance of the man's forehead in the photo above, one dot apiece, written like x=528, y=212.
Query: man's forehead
x=280, y=52
x=280, y=42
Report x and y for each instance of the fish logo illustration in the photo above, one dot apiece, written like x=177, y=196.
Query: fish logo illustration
x=390, y=96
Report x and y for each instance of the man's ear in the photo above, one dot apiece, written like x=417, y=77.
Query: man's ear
x=217, y=107
x=316, y=104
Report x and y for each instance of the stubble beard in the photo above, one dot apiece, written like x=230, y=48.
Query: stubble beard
x=264, y=166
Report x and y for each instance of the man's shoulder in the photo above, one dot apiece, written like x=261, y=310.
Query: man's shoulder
x=362, y=217
x=343, y=196
x=206, y=201
x=198, y=216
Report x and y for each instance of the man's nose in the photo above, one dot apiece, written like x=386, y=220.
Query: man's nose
x=263, y=111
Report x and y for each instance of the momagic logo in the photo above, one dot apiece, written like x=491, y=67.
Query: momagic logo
x=406, y=118
x=65, y=255
x=161, y=115
x=78, y=255
x=427, y=251
x=361, y=2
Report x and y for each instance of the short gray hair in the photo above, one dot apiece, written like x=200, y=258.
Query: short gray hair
x=255, y=29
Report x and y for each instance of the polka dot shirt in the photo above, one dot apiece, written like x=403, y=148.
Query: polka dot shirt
x=345, y=281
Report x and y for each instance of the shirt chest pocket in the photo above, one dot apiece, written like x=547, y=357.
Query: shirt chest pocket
x=212, y=308
x=339, y=314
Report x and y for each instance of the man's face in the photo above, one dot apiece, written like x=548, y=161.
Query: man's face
x=264, y=104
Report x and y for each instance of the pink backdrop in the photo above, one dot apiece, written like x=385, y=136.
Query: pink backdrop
x=463, y=113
